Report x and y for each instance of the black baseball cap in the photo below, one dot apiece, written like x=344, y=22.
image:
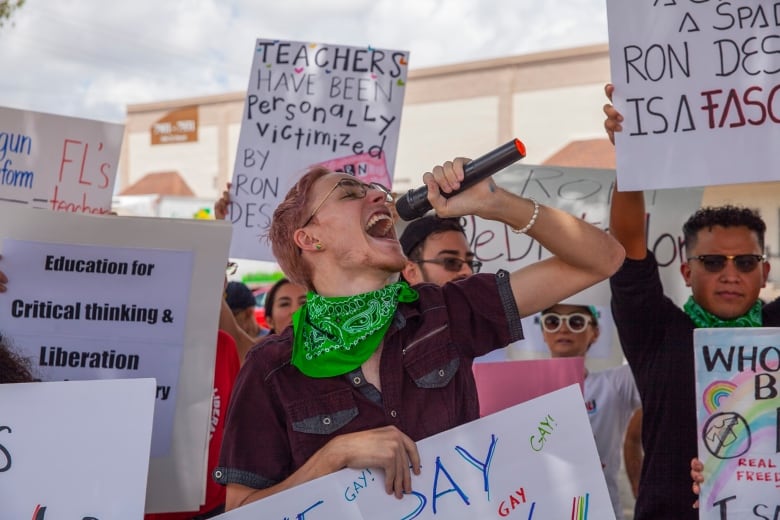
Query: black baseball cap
x=238, y=296
x=418, y=230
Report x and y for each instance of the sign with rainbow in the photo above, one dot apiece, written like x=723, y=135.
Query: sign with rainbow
x=738, y=414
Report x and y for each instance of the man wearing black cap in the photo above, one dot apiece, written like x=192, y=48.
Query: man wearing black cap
x=437, y=251
x=241, y=301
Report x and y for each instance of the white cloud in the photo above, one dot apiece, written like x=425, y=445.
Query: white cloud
x=91, y=58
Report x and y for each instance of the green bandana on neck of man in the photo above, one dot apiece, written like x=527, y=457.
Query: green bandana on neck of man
x=706, y=320
x=334, y=336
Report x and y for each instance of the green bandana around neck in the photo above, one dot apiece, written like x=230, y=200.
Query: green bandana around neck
x=706, y=320
x=334, y=336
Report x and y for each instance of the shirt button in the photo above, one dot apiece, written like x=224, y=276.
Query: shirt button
x=393, y=414
x=326, y=421
x=356, y=380
x=217, y=474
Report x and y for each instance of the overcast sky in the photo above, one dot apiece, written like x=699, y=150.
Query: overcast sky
x=90, y=58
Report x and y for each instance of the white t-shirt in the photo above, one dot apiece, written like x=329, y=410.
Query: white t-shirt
x=611, y=398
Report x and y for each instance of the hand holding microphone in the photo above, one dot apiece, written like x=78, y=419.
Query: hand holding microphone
x=415, y=203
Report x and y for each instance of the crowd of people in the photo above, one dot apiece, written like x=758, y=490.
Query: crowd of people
x=364, y=316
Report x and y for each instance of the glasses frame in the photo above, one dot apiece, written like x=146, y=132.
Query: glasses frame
x=723, y=259
x=565, y=317
x=475, y=265
x=364, y=186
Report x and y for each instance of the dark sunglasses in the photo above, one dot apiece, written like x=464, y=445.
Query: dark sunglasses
x=576, y=321
x=453, y=264
x=353, y=189
x=717, y=263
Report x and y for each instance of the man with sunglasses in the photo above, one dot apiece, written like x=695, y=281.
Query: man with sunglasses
x=611, y=396
x=725, y=268
x=437, y=250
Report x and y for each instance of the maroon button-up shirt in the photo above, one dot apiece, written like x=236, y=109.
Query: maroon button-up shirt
x=278, y=417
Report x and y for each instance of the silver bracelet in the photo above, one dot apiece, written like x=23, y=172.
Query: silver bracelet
x=530, y=222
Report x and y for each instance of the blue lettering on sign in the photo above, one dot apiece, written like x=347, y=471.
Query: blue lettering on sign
x=440, y=469
x=483, y=467
x=351, y=493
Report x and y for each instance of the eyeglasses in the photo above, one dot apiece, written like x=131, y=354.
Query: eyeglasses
x=576, y=321
x=353, y=189
x=453, y=264
x=716, y=263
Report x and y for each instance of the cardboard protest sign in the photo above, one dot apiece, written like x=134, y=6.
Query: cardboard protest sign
x=585, y=193
x=311, y=103
x=124, y=297
x=76, y=449
x=534, y=460
x=697, y=83
x=57, y=162
x=737, y=412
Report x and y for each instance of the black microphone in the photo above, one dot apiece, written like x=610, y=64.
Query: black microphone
x=415, y=203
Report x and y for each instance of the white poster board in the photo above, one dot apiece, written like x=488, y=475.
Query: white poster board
x=697, y=84
x=57, y=162
x=175, y=344
x=311, y=103
x=585, y=193
x=76, y=449
x=84, y=312
x=535, y=460
x=737, y=405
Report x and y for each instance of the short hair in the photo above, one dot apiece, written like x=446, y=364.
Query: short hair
x=414, y=235
x=270, y=296
x=724, y=216
x=288, y=217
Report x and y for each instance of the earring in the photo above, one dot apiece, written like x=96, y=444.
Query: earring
x=318, y=246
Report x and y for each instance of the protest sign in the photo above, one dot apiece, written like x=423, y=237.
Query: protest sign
x=532, y=461
x=585, y=193
x=506, y=383
x=57, y=162
x=76, y=449
x=697, y=83
x=738, y=412
x=87, y=312
x=311, y=103
x=124, y=297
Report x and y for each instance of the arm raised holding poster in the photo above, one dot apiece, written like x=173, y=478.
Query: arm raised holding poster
x=372, y=365
x=725, y=268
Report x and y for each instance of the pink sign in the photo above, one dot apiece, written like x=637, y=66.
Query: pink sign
x=506, y=383
x=367, y=167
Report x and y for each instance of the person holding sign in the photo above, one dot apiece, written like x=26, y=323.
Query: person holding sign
x=611, y=396
x=371, y=365
x=725, y=269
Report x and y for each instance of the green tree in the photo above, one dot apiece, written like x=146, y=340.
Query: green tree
x=7, y=8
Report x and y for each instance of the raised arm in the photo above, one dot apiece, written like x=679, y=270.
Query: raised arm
x=227, y=322
x=627, y=211
x=583, y=254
